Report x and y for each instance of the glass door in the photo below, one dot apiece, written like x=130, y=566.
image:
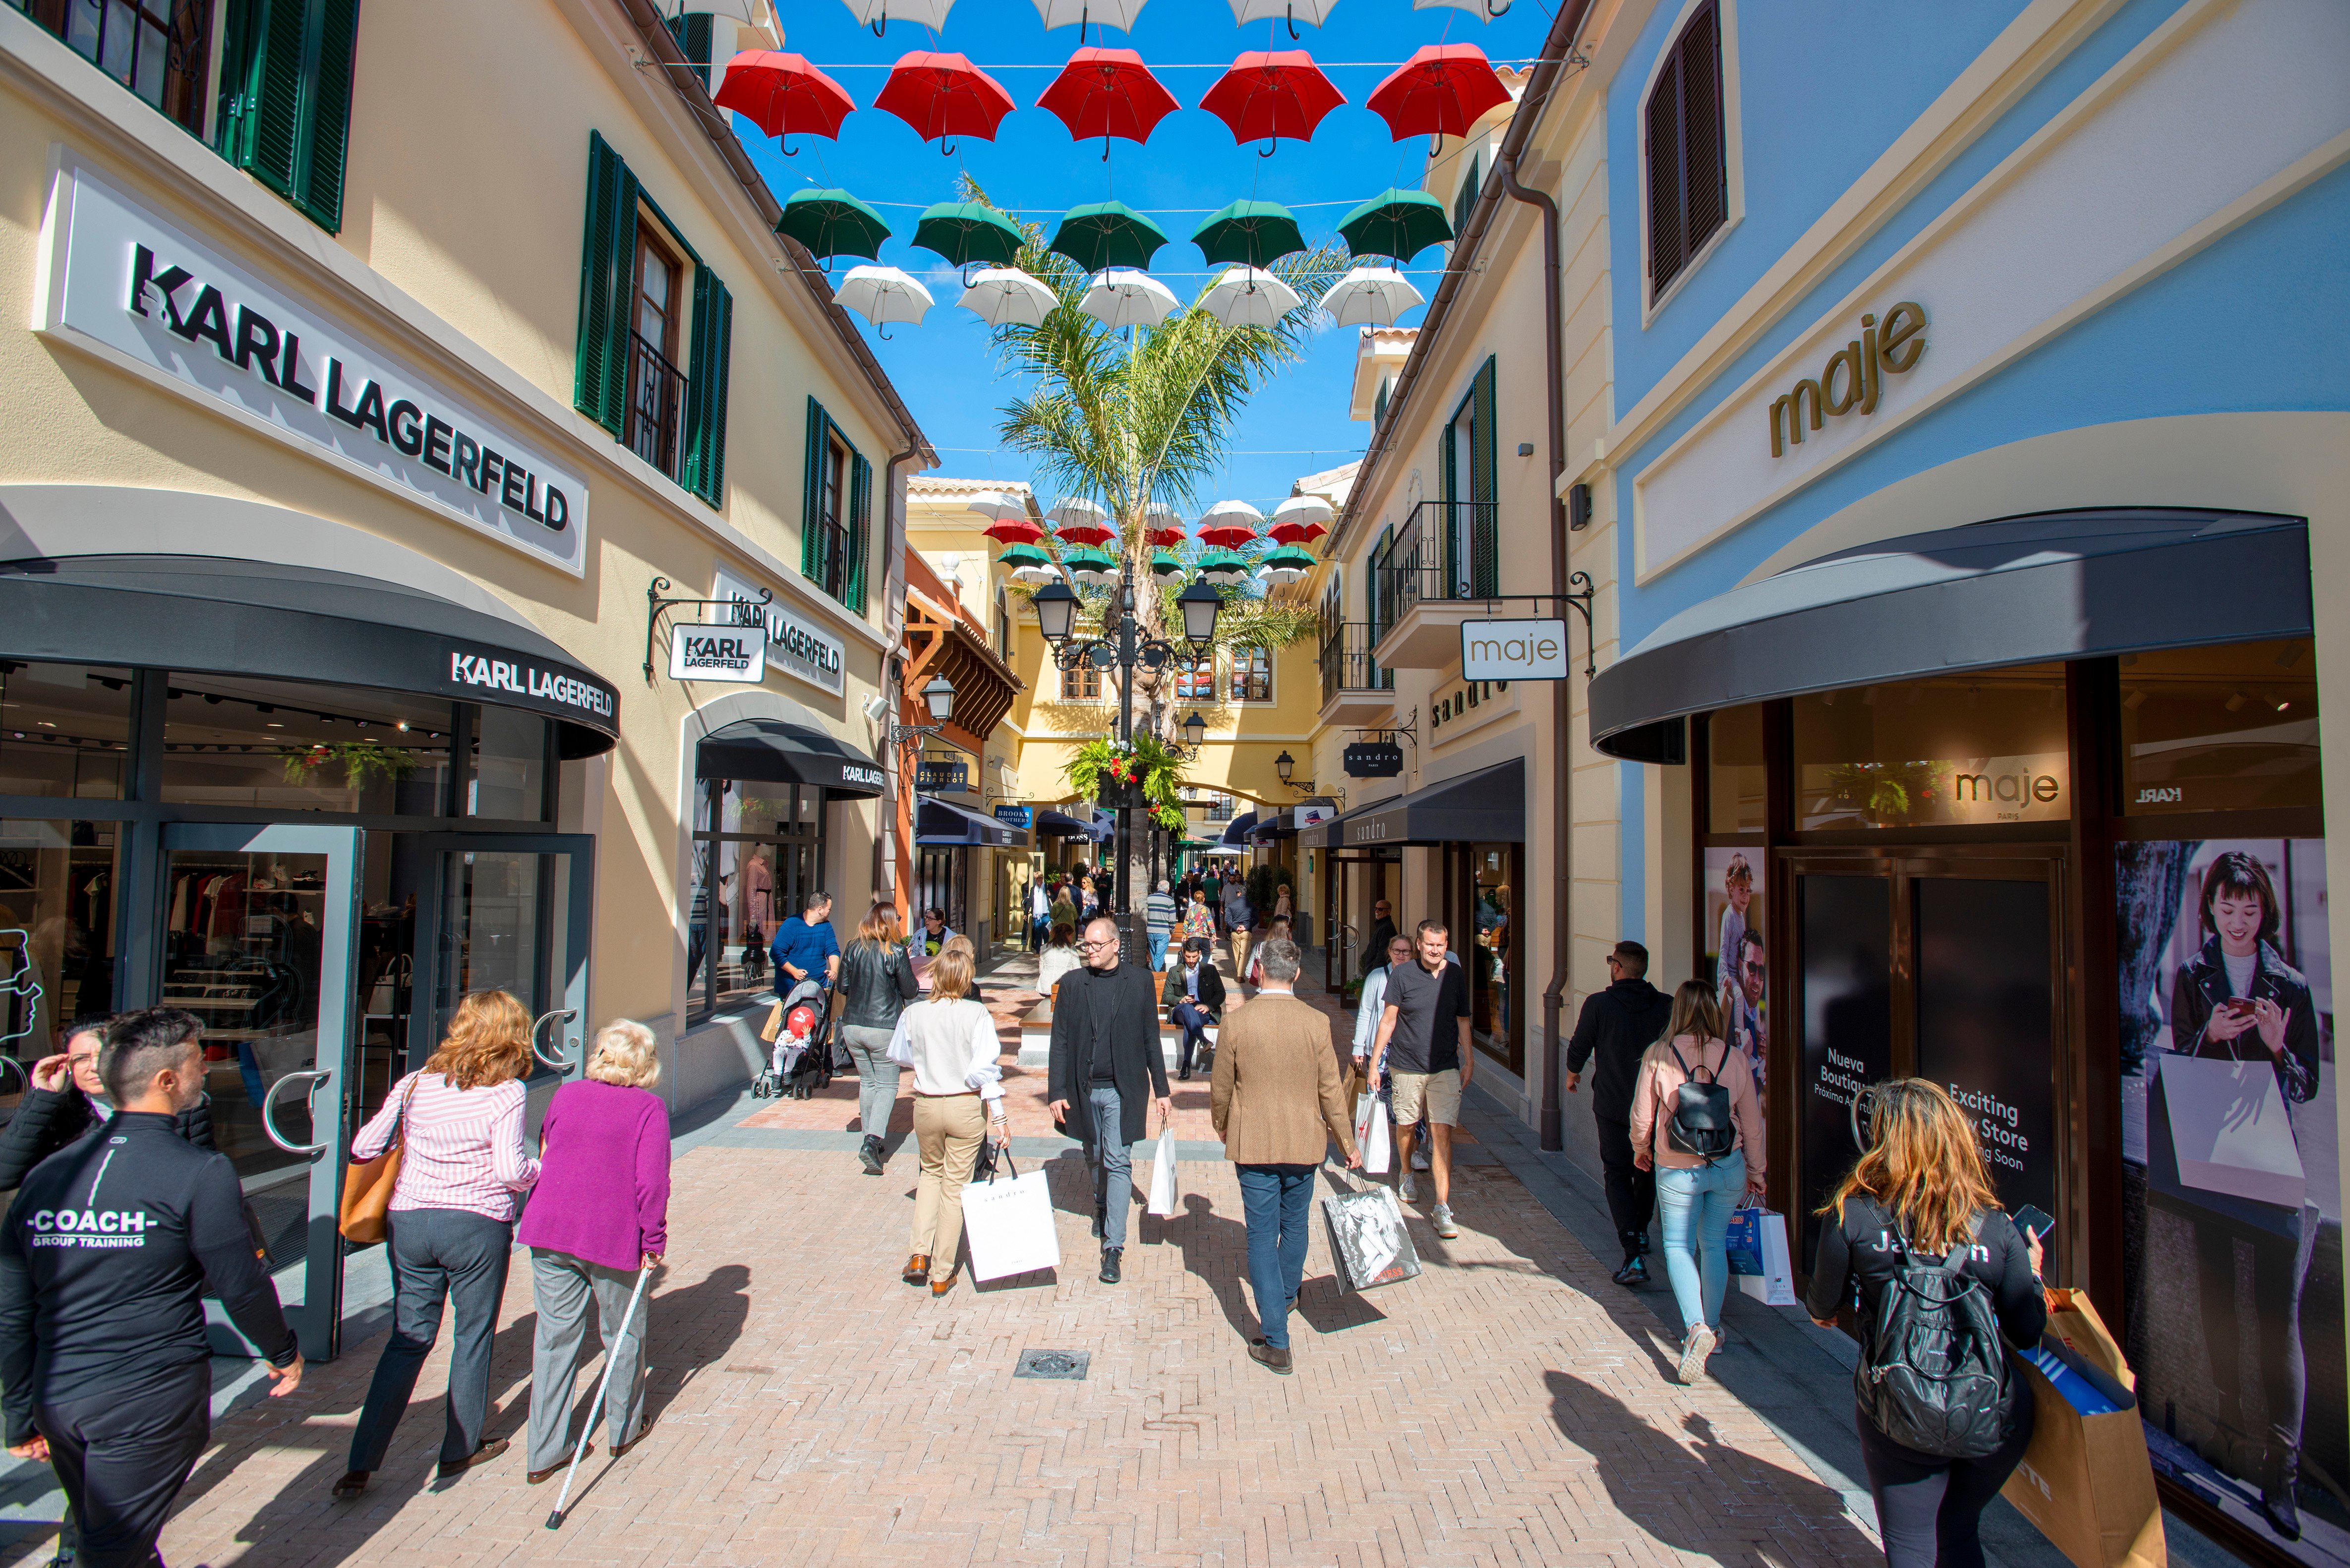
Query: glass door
x=259, y=933
x=512, y=912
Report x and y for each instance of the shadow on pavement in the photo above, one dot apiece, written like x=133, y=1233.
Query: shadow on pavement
x=1215, y=1251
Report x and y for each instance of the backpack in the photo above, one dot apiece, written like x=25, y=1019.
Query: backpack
x=1933, y=1373
x=1699, y=1122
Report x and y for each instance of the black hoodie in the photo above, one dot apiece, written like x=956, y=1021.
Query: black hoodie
x=1620, y=1024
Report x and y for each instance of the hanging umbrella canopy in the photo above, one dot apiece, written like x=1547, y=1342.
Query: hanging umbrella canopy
x=1081, y=522
x=782, y=94
x=1089, y=565
x=1399, y=223
x=1162, y=524
x=1028, y=563
x=1299, y=519
x=1118, y=14
x=883, y=294
x=1441, y=90
x=1223, y=568
x=1167, y=565
x=1290, y=11
x=1250, y=232
x=1123, y=298
x=1271, y=94
x=1249, y=297
x=1229, y=524
x=1106, y=93
x=1371, y=297
x=998, y=504
x=1016, y=529
x=943, y=96
x=878, y=13
x=966, y=231
x=1104, y=235
x=1007, y=297
x=1286, y=565
x=1483, y=10
x=832, y=223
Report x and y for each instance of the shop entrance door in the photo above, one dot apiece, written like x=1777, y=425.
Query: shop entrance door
x=260, y=928
x=1937, y=965
x=512, y=912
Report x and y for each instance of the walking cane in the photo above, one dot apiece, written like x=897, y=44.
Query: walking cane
x=611, y=1364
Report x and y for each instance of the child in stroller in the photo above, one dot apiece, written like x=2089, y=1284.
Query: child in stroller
x=800, y=1062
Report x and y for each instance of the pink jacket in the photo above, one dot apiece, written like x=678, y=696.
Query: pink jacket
x=1652, y=1095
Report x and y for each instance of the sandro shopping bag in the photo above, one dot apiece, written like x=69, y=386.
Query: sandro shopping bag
x=2084, y=1481
x=1162, y=1177
x=1007, y=1225
x=1371, y=1134
x=1759, y=1261
x=2229, y=1131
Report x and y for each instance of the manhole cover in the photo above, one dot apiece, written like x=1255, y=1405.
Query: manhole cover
x=1069, y=1364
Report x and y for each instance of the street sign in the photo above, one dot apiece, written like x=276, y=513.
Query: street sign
x=1016, y=816
x=717, y=653
x=1373, y=760
x=1513, y=650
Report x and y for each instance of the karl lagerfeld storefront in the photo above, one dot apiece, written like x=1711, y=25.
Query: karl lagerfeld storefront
x=2031, y=808
x=307, y=806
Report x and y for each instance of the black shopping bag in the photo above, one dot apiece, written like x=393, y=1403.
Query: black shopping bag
x=1369, y=1243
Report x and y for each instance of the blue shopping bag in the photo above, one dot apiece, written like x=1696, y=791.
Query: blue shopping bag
x=1745, y=1241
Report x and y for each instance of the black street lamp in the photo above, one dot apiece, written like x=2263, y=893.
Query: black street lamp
x=939, y=697
x=1285, y=764
x=1195, y=730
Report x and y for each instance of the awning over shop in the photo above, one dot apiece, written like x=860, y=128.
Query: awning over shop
x=776, y=751
x=1061, y=824
x=216, y=616
x=2021, y=590
x=940, y=822
x=1488, y=806
x=1236, y=832
x=1272, y=824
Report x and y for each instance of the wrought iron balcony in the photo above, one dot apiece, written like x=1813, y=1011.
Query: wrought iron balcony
x=1447, y=554
x=826, y=554
x=656, y=404
x=1354, y=685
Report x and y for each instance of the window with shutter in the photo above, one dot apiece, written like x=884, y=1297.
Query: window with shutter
x=861, y=529
x=160, y=50
x=1466, y=197
x=691, y=31
x=835, y=521
x=286, y=99
x=1688, y=169
x=711, y=351
x=607, y=263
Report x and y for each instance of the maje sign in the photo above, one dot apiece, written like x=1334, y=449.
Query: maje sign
x=122, y=281
x=793, y=646
x=1513, y=650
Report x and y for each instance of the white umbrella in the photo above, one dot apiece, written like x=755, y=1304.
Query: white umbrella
x=1293, y=11
x=995, y=507
x=1118, y=14
x=883, y=294
x=1304, y=509
x=1128, y=298
x=1036, y=576
x=1249, y=297
x=1371, y=297
x=914, y=13
x=1007, y=297
x=1077, y=510
x=1237, y=510
x=1483, y=10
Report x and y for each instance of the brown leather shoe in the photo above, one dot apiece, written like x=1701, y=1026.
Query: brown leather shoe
x=353, y=1483
x=1273, y=1356
x=918, y=1269
x=619, y=1448
x=480, y=1456
x=536, y=1476
x=940, y=1287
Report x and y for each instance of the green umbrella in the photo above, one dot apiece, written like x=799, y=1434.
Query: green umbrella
x=1399, y=223
x=1251, y=232
x=1168, y=565
x=1223, y=567
x=833, y=223
x=1106, y=234
x=966, y=231
x=1090, y=564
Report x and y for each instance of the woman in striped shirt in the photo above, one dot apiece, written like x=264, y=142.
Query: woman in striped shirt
x=459, y=1124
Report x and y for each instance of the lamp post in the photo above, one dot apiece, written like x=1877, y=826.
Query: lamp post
x=1122, y=646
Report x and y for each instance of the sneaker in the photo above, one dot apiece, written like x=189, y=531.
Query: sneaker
x=1109, y=1269
x=1420, y=1157
x=1407, y=1188
x=1443, y=1219
x=1634, y=1274
x=1694, y=1350
x=870, y=1153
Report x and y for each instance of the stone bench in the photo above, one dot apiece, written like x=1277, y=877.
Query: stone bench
x=1036, y=1036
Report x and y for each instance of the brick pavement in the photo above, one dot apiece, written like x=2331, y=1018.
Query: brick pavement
x=1509, y=1406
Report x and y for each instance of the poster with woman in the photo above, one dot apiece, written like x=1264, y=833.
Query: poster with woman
x=1734, y=958
x=2232, y=1203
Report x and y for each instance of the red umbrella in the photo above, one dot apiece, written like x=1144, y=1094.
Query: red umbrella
x=1271, y=94
x=1440, y=92
x=1106, y=93
x=784, y=93
x=944, y=96
x=1013, y=531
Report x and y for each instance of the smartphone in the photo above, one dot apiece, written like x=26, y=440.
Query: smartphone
x=2237, y=1007
x=2038, y=1221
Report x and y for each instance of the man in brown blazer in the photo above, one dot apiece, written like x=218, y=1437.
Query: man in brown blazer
x=1277, y=1100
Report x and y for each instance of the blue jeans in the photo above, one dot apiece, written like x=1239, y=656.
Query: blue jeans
x=1113, y=1164
x=1157, y=949
x=1695, y=1206
x=1276, y=1198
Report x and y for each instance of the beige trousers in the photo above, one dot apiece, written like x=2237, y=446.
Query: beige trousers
x=947, y=1129
x=1240, y=936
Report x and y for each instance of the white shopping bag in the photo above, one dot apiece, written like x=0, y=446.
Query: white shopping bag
x=1007, y=1225
x=1162, y=1177
x=1371, y=1132
x=1774, y=1285
x=2229, y=1131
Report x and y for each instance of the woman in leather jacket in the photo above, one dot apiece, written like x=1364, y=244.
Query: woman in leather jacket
x=66, y=1100
x=877, y=980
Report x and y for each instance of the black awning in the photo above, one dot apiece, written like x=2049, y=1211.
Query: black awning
x=2020, y=591
x=1061, y=824
x=1488, y=806
x=940, y=822
x=210, y=615
x=776, y=751
x=1273, y=825
x=1236, y=832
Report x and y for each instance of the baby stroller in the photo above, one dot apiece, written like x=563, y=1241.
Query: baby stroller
x=800, y=1059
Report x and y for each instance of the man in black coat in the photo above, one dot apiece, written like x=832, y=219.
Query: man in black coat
x=1620, y=1024
x=1105, y=1049
x=1194, y=991
x=1376, y=941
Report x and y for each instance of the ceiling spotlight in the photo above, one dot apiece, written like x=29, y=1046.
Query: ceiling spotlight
x=2236, y=700
x=276, y=726
x=404, y=726
x=1827, y=698
x=2136, y=700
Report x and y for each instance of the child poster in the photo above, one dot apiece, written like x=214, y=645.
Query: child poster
x=2231, y=1192
x=1734, y=954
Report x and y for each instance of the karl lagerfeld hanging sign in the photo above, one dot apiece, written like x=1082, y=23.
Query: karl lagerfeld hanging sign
x=718, y=653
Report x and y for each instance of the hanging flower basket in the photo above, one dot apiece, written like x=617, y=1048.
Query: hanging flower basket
x=1129, y=777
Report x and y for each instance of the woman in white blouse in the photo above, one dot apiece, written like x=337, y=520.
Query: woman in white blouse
x=949, y=1042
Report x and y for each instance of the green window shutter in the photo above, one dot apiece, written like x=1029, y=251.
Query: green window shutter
x=287, y=99
x=1484, y=531
x=705, y=392
x=860, y=510
x=819, y=426
x=691, y=31
x=1464, y=199
x=600, y=386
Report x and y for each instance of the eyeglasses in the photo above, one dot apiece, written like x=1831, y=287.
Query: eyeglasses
x=1100, y=945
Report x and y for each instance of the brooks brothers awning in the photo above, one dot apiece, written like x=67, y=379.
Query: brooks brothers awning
x=1488, y=806
x=939, y=822
x=215, y=616
x=2020, y=591
x=777, y=750
x=1061, y=824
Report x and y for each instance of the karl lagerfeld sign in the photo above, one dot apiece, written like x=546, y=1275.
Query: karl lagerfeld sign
x=736, y=653
x=120, y=280
x=793, y=646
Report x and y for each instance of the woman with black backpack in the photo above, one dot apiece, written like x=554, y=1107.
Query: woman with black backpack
x=1697, y=1122
x=1916, y=1240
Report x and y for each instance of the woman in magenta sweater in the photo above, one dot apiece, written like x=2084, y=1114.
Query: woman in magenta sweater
x=600, y=1212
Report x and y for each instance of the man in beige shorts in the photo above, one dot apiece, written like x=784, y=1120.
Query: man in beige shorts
x=1425, y=1024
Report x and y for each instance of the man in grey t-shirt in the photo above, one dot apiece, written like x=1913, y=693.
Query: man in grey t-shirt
x=1425, y=1024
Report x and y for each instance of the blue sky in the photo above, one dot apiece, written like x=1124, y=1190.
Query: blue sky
x=944, y=368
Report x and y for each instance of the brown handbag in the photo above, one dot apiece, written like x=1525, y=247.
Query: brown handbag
x=367, y=1186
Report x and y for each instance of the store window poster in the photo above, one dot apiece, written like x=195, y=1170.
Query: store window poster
x=1735, y=952
x=2232, y=1189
